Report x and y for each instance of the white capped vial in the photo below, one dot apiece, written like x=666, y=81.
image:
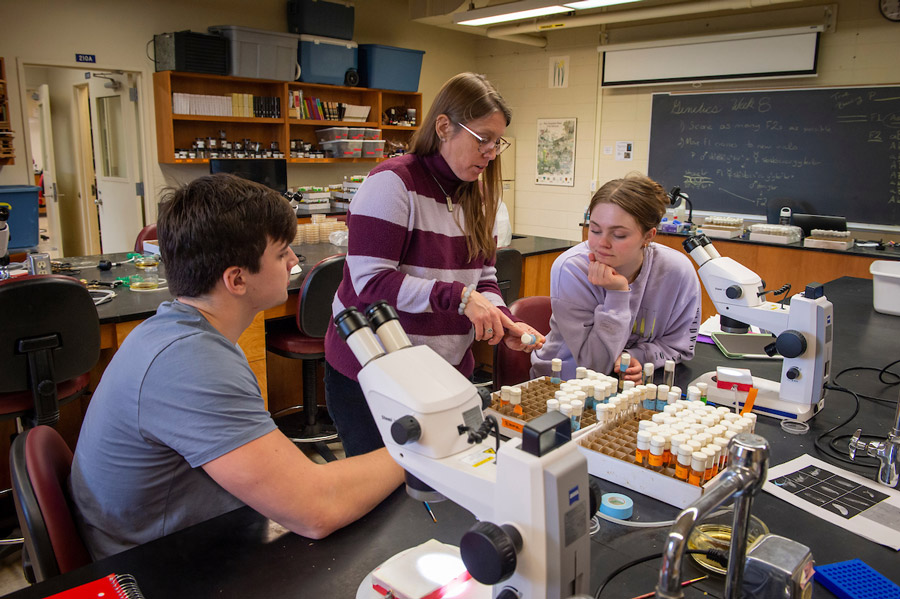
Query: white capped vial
x=717, y=462
x=711, y=463
x=504, y=393
x=752, y=418
x=698, y=468
x=657, y=451
x=650, y=397
x=669, y=373
x=675, y=389
x=647, y=374
x=553, y=405
x=671, y=398
x=658, y=418
x=580, y=372
x=693, y=393
x=628, y=385
x=515, y=396
x=662, y=396
x=559, y=394
x=723, y=456
x=642, y=450
x=646, y=425
x=528, y=338
x=556, y=369
x=703, y=391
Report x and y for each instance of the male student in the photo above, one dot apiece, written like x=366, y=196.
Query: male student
x=177, y=432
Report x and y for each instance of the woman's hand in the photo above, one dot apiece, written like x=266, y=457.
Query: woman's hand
x=486, y=318
x=635, y=371
x=513, y=338
x=605, y=275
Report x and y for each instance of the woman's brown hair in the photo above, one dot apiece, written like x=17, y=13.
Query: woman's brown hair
x=467, y=97
x=640, y=196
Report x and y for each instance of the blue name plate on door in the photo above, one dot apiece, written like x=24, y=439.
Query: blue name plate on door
x=86, y=58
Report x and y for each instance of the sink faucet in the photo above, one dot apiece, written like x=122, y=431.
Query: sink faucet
x=887, y=452
x=748, y=457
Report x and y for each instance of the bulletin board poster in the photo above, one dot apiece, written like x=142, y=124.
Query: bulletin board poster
x=556, y=152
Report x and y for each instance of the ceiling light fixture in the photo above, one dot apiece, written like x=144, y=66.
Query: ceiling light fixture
x=525, y=9
x=584, y=4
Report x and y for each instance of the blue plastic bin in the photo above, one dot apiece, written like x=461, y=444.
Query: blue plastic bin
x=23, y=216
x=387, y=67
x=326, y=60
x=328, y=18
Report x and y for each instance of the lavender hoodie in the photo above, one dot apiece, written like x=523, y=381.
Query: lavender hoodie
x=656, y=320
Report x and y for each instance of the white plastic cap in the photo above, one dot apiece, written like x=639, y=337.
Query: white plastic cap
x=556, y=365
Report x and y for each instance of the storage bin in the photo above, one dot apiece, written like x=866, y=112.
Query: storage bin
x=387, y=67
x=191, y=52
x=343, y=148
x=326, y=60
x=332, y=133
x=356, y=133
x=886, y=286
x=23, y=215
x=372, y=133
x=373, y=148
x=260, y=54
x=327, y=18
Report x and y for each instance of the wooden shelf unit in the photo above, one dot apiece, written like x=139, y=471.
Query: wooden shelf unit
x=7, y=150
x=176, y=131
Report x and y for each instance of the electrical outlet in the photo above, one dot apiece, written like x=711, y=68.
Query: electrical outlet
x=39, y=264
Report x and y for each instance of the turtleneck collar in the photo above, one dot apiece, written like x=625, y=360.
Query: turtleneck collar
x=438, y=167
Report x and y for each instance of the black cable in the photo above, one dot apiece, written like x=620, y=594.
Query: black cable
x=881, y=372
x=818, y=440
x=714, y=554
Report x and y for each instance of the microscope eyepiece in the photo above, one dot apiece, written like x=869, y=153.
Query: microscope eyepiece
x=379, y=313
x=349, y=321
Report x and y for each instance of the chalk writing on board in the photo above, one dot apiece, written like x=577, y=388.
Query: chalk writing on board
x=835, y=149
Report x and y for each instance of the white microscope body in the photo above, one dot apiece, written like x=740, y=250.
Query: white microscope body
x=539, y=500
x=803, y=331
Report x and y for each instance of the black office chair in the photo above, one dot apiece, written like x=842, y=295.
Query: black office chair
x=509, y=273
x=49, y=342
x=304, y=339
x=40, y=462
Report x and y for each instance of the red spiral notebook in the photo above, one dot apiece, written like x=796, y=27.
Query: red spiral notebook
x=113, y=586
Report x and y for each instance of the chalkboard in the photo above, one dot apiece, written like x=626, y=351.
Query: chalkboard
x=837, y=149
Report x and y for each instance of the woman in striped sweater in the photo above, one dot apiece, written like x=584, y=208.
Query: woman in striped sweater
x=422, y=237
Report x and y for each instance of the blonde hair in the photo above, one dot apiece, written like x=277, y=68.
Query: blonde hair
x=638, y=195
x=467, y=97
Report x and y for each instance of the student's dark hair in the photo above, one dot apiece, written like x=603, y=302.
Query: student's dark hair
x=216, y=222
x=640, y=196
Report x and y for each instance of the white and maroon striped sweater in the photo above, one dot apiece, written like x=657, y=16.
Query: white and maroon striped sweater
x=406, y=247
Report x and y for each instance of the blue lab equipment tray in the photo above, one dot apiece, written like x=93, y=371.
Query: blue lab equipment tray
x=855, y=579
x=387, y=67
x=23, y=216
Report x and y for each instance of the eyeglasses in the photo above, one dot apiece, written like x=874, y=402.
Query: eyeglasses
x=484, y=145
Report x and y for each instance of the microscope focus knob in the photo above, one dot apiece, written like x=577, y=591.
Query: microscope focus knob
x=489, y=551
x=791, y=343
x=734, y=292
x=793, y=373
x=405, y=430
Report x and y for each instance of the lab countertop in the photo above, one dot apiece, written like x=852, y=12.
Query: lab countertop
x=137, y=305
x=242, y=554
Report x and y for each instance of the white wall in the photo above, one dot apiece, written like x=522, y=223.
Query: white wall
x=51, y=32
x=863, y=49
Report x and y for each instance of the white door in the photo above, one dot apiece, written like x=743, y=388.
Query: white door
x=51, y=193
x=114, y=126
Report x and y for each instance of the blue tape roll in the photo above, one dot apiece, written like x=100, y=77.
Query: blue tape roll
x=616, y=505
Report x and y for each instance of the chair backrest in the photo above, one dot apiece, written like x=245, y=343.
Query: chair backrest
x=319, y=288
x=145, y=234
x=49, y=333
x=40, y=462
x=513, y=367
x=509, y=273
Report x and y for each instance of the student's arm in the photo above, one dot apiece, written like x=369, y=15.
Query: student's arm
x=678, y=340
x=271, y=475
x=594, y=323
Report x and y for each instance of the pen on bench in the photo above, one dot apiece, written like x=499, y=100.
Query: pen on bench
x=430, y=513
x=684, y=584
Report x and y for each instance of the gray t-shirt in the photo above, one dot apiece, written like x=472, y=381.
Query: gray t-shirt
x=176, y=395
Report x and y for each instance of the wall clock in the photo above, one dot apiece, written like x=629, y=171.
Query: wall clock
x=890, y=9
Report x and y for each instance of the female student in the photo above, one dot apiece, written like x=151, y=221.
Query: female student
x=618, y=291
x=422, y=236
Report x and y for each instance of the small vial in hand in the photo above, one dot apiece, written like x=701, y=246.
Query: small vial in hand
x=529, y=338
